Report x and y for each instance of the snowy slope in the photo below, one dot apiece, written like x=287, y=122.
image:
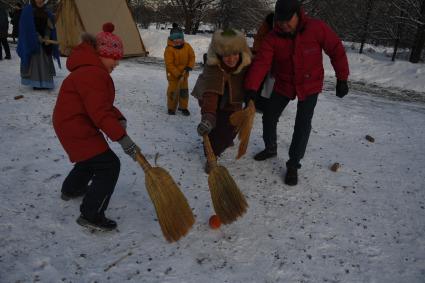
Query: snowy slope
x=365, y=223
x=374, y=66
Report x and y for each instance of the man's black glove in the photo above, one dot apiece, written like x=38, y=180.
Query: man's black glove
x=123, y=123
x=188, y=69
x=341, y=88
x=250, y=95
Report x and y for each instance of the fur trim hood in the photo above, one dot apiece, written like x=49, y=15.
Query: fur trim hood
x=227, y=42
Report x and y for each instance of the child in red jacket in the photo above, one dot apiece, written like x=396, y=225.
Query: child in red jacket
x=84, y=112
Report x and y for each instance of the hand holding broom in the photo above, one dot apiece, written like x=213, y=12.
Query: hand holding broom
x=174, y=213
x=228, y=201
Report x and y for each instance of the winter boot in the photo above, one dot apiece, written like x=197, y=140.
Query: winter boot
x=75, y=194
x=171, y=112
x=265, y=154
x=291, y=177
x=185, y=112
x=100, y=223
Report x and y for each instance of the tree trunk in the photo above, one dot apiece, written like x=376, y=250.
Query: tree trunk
x=366, y=25
x=188, y=24
x=419, y=42
x=400, y=27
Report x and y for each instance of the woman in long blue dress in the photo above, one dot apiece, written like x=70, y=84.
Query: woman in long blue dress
x=36, y=27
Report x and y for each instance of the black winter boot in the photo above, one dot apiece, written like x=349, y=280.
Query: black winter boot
x=185, y=112
x=265, y=154
x=171, y=112
x=291, y=177
x=100, y=222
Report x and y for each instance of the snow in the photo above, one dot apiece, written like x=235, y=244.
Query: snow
x=364, y=223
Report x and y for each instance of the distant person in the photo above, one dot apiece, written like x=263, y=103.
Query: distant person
x=293, y=53
x=4, y=31
x=15, y=16
x=35, y=48
x=83, y=115
x=179, y=61
x=174, y=28
x=220, y=87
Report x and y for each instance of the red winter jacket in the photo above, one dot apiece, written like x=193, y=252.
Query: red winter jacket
x=84, y=106
x=297, y=64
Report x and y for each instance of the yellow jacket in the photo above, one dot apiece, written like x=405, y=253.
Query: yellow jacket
x=177, y=59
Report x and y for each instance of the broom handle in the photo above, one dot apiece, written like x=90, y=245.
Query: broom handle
x=51, y=41
x=212, y=160
x=177, y=90
x=142, y=161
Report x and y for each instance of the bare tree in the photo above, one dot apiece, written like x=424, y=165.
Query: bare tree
x=419, y=42
x=193, y=12
x=241, y=14
x=366, y=24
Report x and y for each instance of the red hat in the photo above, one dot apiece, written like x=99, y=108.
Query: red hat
x=108, y=44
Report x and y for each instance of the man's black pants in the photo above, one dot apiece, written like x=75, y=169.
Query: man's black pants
x=5, y=44
x=302, y=128
x=103, y=170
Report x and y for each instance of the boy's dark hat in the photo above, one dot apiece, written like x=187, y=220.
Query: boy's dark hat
x=285, y=9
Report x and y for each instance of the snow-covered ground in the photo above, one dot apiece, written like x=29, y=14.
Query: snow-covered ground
x=364, y=223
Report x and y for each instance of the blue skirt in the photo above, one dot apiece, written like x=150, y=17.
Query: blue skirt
x=40, y=72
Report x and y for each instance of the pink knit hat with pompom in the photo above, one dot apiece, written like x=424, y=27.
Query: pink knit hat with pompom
x=108, y=44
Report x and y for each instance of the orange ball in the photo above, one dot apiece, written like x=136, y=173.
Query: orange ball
x=214, y=222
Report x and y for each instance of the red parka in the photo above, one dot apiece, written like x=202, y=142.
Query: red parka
x=84, y=108
x=297, y=63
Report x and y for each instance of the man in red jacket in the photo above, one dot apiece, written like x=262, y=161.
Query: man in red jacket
x=84, y=111
x=293, y=53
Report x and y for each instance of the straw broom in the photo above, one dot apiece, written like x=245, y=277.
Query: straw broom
x=243, y=121
x=174, y=214
x=228, y=201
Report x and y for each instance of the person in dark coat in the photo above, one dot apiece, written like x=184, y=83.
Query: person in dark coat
x=15, y=17
x=83, y=114
x=293, y=53
x=36, y=29
x=4, y=30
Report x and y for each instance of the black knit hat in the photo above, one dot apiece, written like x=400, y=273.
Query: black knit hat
x=285, y=9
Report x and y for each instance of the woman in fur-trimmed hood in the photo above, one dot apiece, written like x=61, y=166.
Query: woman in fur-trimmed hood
x=220, y=87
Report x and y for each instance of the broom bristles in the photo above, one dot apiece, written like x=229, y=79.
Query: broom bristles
x=243, y=121
x=228, y=201
x=173, y=211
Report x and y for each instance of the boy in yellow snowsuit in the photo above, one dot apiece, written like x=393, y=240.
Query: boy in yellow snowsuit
x=179, y=61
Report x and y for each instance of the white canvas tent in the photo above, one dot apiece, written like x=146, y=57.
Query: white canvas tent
x=77, y=16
